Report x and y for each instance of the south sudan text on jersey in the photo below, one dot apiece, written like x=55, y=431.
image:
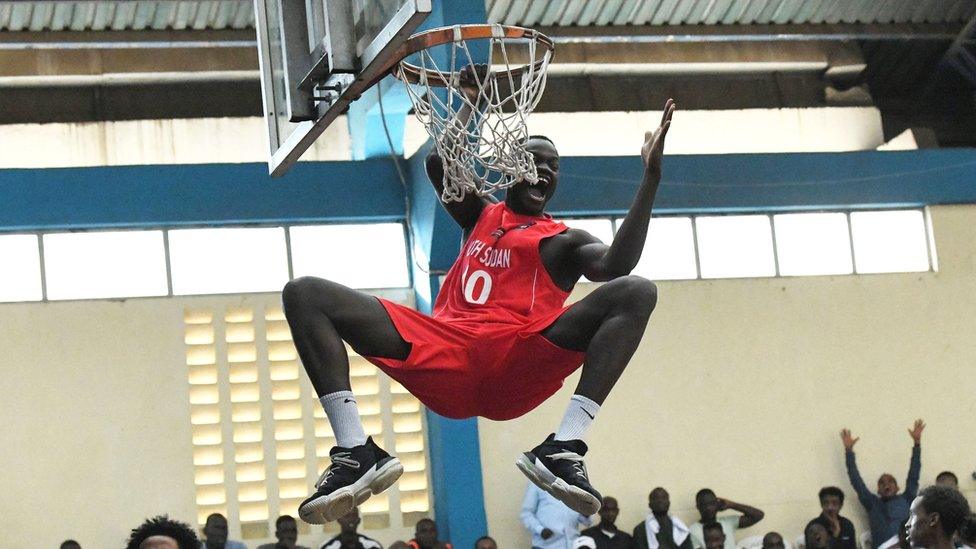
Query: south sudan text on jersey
x=490, y=256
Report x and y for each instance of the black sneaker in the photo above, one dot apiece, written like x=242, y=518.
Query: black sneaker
x=355, y=474
x=556, y=466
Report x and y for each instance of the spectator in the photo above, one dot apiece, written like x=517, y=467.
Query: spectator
x=659, y=529
x=773, y=540
x=841, y=530
x=551, y=523
x=887, y=509
x=903, y=541
x=425, y=536
x=967, y=532
x=606, y=535
x=286, y=532
x=349, y=538
x=162, y=533
x=714, y=534
x=815, y=536
x=935, y=516
x=485, y=542
x=947, y=478
x=215, y=534
x=709, y=505
x=584, y=542
x=70, y=544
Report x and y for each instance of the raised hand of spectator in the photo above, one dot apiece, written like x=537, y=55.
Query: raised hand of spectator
x=723, y=504
x=850, y=441
x=916, y=431
x=834, y=524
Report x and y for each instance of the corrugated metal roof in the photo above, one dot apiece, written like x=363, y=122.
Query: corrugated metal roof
x=531, y=13
x=239, y=14
x=132, y=15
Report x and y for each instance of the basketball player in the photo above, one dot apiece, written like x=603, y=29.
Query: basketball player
x=500, y=340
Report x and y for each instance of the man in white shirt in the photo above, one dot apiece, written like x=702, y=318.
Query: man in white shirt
x=215, y=534
x=349, y=537
x=709, y=505
x=551, y=523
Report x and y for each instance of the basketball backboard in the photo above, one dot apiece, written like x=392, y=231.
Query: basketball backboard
x=317, y=57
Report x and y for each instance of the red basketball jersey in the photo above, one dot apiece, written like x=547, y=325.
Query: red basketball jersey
x=499, y=276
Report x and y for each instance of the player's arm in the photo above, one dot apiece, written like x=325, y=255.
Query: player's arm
x=466, y=211
x=600, y=262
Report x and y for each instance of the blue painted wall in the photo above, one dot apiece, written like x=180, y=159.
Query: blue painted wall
x=211, y=194
x=223, y=194
x=769, y=182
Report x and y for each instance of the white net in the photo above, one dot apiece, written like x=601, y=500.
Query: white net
x=480, y=135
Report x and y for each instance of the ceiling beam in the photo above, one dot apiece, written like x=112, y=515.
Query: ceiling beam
x=127, y=40
x=751, y=33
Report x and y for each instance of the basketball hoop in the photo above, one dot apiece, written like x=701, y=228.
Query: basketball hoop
x=488, y=152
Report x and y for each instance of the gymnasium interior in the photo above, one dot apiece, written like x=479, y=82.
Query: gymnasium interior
x=813, y=243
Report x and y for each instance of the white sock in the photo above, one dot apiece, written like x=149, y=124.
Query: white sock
x=343, y=413
x=579, y=415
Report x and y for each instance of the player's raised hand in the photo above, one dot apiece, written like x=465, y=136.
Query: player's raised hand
x=849, y=441
x=916, y=431
x=471, y=79
x=653, y=149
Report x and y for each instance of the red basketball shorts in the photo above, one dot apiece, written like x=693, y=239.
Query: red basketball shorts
x=498, y=371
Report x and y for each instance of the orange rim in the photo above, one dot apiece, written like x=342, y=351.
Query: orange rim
x=443, y=35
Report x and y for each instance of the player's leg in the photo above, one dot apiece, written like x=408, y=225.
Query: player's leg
x=321, y=315
x=607, y=325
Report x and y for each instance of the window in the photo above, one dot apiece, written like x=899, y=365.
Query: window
x=359, y=256
x=813, y=244
x=669, y=251
x=212, y=261
x=600, y=228
x=889, y=241
x=735, y=246
x=20, y=276
x=91, y=265
x=246, y=382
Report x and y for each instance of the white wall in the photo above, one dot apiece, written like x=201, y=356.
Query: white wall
x=740, y=385
x=702, y=132
x=744, y=385
x=132, y=142
x=217, y=140
x=96, y=427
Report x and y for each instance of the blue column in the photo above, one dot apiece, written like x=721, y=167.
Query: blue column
x=453, y=447
x=367, y=132
x=375, y=125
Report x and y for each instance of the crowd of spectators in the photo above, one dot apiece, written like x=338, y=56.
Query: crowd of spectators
x=937, y=517
x=898, y=519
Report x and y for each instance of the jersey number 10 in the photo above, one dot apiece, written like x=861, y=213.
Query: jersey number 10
x=471, y=283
